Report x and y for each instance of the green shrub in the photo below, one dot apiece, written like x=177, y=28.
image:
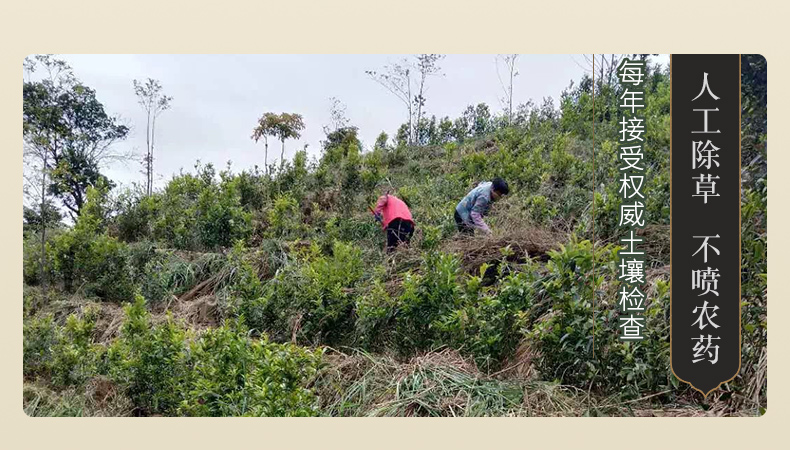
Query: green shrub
x=375, y=312
x=431, y=236
x=222, y=372
x=488, y=325
x=409, y=194
x=426, y=298
x=254, y=188
x=284, y=217
x=136, y=214
x=149, y=361
x=140, y=254
x=539, y=210
x=564, y=336
x=313, y=299
x=374, y=169
x=233, y=375
x=221, y=219
x=75, y=355
x=329, y=292
x=754, y=287
x=474, y=165
x=39, y=337
x=96, y=262
x=108, y=273
x=198, y=213
x=87, y=257
x=166, y=275
x=242, y=288
x=562, y=164
x=31, y=260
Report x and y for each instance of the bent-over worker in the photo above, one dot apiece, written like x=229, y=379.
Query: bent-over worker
x=470, y=210
x=396, y=220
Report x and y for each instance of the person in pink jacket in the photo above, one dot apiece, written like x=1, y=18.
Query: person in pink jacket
x=395, y=219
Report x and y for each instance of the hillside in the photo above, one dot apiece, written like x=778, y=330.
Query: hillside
x=267, y=292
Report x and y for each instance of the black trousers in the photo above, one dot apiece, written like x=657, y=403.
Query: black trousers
x=462, y=227
x=398, y=231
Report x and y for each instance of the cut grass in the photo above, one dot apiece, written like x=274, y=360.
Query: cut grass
x=439, y=383
x=443, y=384
x=100, y=398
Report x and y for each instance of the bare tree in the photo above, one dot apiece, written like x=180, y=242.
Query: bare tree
x=605, y=66
x=34, y=189
x=396, y=78
x=154, y=102
x=28, y=67
x=406, y=77
x=510, y=72
x=427, y=65
x=337, y=116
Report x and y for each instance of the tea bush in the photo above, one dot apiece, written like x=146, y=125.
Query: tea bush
x=39, y=337
x=284, y=217
x=96, y=262
x=754, y=285
x=199, y=213
x=488, y=325
x=141, y=253
x=375, y=311
x=312, y=299
x=233, y=375
x=87, y=257
x=565, y=336
x=31, y=260
x=165, y=369
x=75, y=355
x=149, y=361
x=136, y=212
x=221, y=219
x=426, y=297
x=240, y=291
x=431, y=237
x=539, y=210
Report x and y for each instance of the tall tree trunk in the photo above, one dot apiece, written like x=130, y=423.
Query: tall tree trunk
x=282, y=156
x=510, y=94
x=419, y=109
x=151, y=177
x=44, y=228
x=266, y=155
x=411, y=126
x=148, y=153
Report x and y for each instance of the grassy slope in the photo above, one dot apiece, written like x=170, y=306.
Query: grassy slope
x=551, y=179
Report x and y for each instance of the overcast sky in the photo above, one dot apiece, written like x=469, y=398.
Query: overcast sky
x=217, y=99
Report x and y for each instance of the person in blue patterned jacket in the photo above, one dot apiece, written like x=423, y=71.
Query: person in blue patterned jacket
x=470, y=210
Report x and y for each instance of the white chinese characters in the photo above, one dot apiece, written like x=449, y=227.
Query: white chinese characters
x=632, y=214
x=705, y=278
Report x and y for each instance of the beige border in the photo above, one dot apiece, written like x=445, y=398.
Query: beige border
x=460, y=26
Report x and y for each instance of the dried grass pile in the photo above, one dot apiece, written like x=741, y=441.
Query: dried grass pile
x=525, y=242
x=438, y=383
